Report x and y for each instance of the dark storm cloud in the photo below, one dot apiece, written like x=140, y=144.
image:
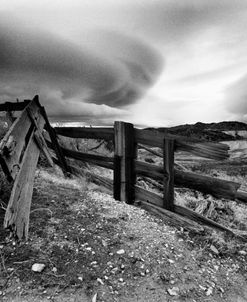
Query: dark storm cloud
x=36, y=61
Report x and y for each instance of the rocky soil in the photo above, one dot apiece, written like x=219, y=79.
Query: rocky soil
x=88, y=247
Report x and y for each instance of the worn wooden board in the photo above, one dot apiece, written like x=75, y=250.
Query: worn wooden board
x=99, y=160
x=168, y=162
x=217, y=187
x=39, y=139
x=86, y=132
x=242, y=196
x=102, y=181
x=157, y=200
x=125, y=151
x=173, y=218
x=17, y=213
x=14, y=143
x=11, y=106
x=215, y=151
x=57, y=148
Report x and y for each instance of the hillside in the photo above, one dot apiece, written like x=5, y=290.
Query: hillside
x=93, y=248
x=210, y=131
x=97, y=249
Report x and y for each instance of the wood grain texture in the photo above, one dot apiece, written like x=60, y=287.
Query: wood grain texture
x=242, y=196
x=86, y=132
x=17, y=213
x=173, y=218
x=39, y=139
x=14, y=143
x=98, y=160
x=10, y=106
x=217, y=187
x=125, y=150
x=168, y=159
x=157, y=200
x=57, y=148
x=215, y=151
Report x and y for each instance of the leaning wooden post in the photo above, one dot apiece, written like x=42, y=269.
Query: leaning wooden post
x=124, y=169
x=60, y=156
x=168, y=157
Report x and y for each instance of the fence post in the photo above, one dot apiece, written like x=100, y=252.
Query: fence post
x=52, y=133
x=124, y=169
x=168, y=158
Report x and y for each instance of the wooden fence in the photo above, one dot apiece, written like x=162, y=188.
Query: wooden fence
x=31, y=133
x=19, y=154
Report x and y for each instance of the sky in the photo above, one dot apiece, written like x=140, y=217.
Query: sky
x=148, y=62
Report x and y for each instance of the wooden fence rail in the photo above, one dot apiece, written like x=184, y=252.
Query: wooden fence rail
x=31, y=133
x=19, y=153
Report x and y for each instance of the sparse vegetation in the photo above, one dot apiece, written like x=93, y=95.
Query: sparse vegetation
x=92, y=244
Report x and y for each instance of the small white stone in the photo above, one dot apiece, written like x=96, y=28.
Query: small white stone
x=38, y=267
x=120, y=252
x=171, y=261
x=100, y=281
x=54, y=269
x=209, y=291
x=243, y=253
x=214, y=249
x=173, y=291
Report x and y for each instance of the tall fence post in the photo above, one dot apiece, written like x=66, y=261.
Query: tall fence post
x=168, y=158
x=124, y=169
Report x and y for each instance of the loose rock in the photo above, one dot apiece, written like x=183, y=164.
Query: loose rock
x=173, y=291
x=38, y=267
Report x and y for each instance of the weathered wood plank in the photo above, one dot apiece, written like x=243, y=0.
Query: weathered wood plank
x=201, y=219
x=173, y=218
x=102, y=161
x=157, y=200
x=168, y=159
x=39, y=139
x=125, y=151
x=14, y=143
x=149, y=170
x=242, y=196
x=84, y=132
x=57, y=148
x=10, y=106
x=209, y=150
x=159, y=154
x=117, y=178
x=156, y=153
x=145, y=195
x=17, y=213
x=217, y=187
x=102, y=181
x=99, y=160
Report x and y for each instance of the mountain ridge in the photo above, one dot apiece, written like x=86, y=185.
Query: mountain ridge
x=206, y=131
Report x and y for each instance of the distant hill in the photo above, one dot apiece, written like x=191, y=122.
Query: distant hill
x=206, y=131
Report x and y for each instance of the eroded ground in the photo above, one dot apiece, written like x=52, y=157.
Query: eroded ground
x=97, y=249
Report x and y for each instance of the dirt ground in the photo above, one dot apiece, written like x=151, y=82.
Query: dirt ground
x=97, y=249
